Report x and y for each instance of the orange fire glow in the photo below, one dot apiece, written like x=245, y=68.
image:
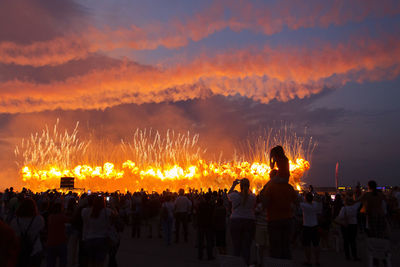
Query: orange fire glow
x=132, y=177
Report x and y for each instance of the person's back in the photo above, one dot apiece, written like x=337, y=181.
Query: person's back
x=8, y=246
x=310, y=212
x=373, y=203
x=205, y=213
x=283, y=168
x=56, y=229
x=279, y=198
x=95, y=227
x=182, y=204
x=242, y=209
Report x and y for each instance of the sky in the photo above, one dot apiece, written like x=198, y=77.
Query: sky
x=223, y=69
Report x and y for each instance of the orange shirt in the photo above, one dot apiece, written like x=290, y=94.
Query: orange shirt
x=280, y=198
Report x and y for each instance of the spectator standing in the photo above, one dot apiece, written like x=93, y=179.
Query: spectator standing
x=167, y=218
x=279, y=199
x=220, y=216
x=28, y=225
x=261, y=232
x=182, y=208
x=373, y=203
x=205, y=213
x=96, y=225
x=57, y=239
x=310, y=211
x=348, y=218
x=243, y=218
x=8, y=246
x=137, y=209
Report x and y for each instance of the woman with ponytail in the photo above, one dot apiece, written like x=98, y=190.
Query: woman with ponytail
x=242, y=221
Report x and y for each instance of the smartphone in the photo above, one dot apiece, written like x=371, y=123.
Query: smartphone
x=333, y=197
x=108, y=199
x=89, y=192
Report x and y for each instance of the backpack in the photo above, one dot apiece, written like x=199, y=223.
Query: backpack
x=26, y=245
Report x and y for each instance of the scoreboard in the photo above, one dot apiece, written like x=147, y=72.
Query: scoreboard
x=67, y=182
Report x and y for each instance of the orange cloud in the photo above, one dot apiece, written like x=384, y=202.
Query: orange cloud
x=265, y=18
x=273, y=73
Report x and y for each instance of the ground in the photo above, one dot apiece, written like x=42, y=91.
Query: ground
x=153, y=252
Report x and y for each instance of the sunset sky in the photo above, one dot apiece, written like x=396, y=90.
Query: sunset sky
x=219, y=68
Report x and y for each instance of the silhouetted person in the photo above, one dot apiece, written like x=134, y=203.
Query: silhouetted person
x=310, y=211
x=278, y=198
x=348, y=214
x=137, y=208
x=28, y=226
x=242, y=218
x=96, y=225
x=167, y=218
x=57, y=238
x=182, y=208
x=8, y=246
x=205, y=212
x=220, y=215
x=277, y=157
x=373, y=203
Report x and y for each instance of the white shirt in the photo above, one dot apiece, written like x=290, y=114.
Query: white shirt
x=351, y=213
x=182, y=204
x=95, y=227
x=242, y=210
x=33, y=231
x=310, y=212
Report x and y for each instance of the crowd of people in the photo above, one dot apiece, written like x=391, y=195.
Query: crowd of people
x=85, y=229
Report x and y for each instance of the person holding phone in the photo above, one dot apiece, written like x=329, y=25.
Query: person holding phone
x=242, y=218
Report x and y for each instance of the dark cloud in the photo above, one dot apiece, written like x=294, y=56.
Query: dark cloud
x=25, y=21
x=48, y=74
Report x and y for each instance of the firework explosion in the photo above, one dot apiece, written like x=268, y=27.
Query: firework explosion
x=153, y=161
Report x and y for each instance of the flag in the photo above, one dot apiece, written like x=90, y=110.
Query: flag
x=337, y=175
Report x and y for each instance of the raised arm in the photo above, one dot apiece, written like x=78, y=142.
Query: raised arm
x=234, y=184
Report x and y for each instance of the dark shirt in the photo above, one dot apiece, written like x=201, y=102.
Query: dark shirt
x=205, y=212
x=279, y=200
x=220, y=218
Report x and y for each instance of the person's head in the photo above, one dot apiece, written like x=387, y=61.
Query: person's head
x=273, y=173
x=98, y=204
x=277, y=152
x=309, y=197
x=348, y=201
x=244, y=185
x=181, y=192
x=27, y=209
x=372, y=185
x=244, y=189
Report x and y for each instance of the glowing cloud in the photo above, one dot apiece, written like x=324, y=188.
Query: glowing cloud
x=272, y=73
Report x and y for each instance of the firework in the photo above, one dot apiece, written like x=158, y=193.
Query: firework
x=152, y=160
